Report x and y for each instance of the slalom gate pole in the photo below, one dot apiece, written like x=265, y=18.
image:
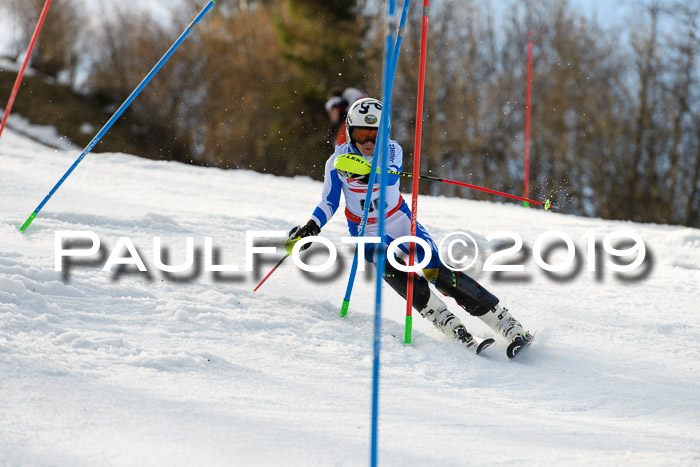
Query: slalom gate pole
x=399, y=38
x=271, y=271
x=370, y=183
x=408, y=328
x=360, y=233
x=18, y=81
x=528, y=109
x=383, y=141
x=119, y=111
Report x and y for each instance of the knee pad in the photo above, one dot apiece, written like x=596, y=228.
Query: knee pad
x=471, y=296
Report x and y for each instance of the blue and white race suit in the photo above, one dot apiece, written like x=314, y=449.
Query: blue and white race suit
x=398, y=214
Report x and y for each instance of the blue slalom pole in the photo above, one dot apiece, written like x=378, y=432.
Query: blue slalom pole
x=399, y=39
x=363, y=223
x=393, y=59
x=381, y=225
x=119, y=111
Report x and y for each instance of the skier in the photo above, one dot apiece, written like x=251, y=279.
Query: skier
x=362, y=124
x=336, y=107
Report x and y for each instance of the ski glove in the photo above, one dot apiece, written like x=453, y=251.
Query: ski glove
x=311, y=229
x=364, y=179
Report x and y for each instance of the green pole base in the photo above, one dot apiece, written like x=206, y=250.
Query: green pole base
x=409, y=329
x=344, y=308
x=28, y=221
x=526, y=204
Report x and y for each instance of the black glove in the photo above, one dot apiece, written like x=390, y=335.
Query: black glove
x=311, y=229
x=364, y=179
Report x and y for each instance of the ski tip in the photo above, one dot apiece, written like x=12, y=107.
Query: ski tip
x=518, y=346
x=484, y=344
x=514, y=350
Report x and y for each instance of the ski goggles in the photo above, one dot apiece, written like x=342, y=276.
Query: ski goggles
x=364, y=135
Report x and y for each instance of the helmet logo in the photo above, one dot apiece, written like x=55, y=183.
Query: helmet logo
x=364, y=106
x=371, y=119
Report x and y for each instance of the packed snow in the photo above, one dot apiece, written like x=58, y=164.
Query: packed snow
x=124, y=367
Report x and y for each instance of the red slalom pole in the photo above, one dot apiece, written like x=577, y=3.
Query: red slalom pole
x=18, y=81
x=416, y=169
x=528, y=94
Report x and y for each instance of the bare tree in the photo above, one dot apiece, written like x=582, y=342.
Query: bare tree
x=615, y=122
x=55, y=51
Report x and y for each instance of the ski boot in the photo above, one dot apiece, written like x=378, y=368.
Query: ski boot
x=436, y=312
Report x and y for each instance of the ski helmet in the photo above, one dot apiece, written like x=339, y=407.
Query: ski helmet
x=363, y=113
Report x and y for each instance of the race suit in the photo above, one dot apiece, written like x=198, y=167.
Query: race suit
x=398, y=214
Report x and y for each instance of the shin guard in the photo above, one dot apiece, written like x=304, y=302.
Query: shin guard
x=425, y=301
x=471, y=296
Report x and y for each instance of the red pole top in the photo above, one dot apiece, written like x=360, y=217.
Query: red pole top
x=528, y=109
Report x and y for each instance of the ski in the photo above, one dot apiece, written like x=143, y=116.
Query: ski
x=461, y=334
x=480, y=347
x=517, y=346
x=477, y=346
x=484, y=344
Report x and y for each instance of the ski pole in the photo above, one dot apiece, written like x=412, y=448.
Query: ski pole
x=289, y=247
x=352, y=163
x=270, y=273
x=119, y=111
x=547, y=204
x=18, y=81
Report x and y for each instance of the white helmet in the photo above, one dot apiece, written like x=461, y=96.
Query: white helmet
x=363, y=113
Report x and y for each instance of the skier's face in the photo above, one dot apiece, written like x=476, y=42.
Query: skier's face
x=366, y=149
x=365, y=139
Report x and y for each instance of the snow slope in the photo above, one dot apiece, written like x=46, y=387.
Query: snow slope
x=127, y=368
